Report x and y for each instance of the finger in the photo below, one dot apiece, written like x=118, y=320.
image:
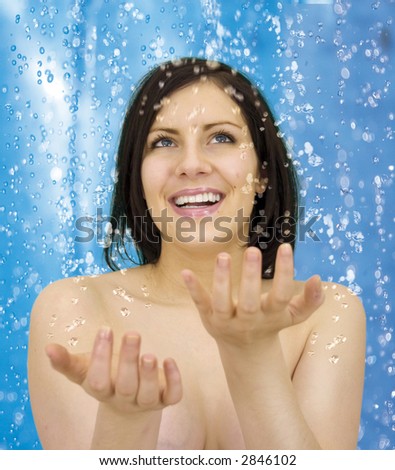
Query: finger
x=249, y=298
x=126, y=384
x=98, y=378
x=148, y=392
x=72, y=366
x=199, y=295
x=172, y=392
x=222, y=303
x=281, y=292
x=303, y=305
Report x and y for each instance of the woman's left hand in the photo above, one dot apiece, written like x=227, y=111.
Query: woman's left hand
x=254, y=316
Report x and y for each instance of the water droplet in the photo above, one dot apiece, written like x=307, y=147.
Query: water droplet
x=75, y=324
x=311, y=353
x=53, y=320
x=144, y=290
x=197, y=110
x=125, y=312
x=337, y=296
x=314, y=337
x=344, y=305
x=120, y=292
x=335, y=318
x=73, y=341
x=339, y=339
x=75, y=300
x=148, y=305
x=56, y=174
x=334, y=359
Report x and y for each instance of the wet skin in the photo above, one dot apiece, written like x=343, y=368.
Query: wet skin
x=213, y=357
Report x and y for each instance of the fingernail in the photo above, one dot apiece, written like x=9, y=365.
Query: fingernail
x=187, y=277
x=48, y=352
x=105, y=332
x=148, y=362
x=286, y=249
x=252, y=256
x=223, y=261
x=169, y=364
x=131, y=339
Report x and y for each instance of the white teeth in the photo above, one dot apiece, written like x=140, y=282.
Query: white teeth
x=201, y=197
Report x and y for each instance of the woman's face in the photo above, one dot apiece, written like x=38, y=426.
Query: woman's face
x=200, y=171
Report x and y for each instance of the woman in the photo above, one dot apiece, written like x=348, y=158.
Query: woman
x=209, y=343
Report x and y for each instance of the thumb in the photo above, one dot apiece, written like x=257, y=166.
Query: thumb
x=306, y=303
x=72, y=366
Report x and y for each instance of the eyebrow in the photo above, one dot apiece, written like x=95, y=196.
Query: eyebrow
x=171, y=130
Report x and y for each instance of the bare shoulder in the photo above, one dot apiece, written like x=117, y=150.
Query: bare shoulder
x=63, y=306
x=329, y=375
x=341, y=306
x=339, y=324
x=70, y=306
x=68, y=312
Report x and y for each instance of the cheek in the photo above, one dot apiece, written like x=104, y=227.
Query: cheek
x=153, y=177
x=247, y=170
x=148, y=179
x=144, y=178
x=149, y=173
x=246, y=161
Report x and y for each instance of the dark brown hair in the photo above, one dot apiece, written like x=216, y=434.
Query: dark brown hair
x=274, y=216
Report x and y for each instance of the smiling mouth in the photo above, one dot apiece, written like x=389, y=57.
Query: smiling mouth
x=197, y=200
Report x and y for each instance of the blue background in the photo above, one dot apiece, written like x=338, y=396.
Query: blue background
x=67, y=72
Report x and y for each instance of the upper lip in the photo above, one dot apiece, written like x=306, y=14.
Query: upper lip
x=194, y=191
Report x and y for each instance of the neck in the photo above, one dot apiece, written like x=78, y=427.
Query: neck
x=166, y=277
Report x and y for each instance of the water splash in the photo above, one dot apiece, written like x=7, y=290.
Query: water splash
x=334, y=359
x=63, y=93
x=144, y=290
x=72, y=341
x=53, y=320
x=77, y=322
x=339, y=339
x=125, y=312
x=121, y=292
x=314, y=337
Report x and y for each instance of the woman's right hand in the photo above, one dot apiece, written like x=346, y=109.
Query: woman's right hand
x=137, y=383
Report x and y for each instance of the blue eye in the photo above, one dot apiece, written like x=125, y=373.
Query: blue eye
x=162, y=142
x=222, y=139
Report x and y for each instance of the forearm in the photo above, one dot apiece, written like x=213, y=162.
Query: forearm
x=114, y=430
x=264, y=398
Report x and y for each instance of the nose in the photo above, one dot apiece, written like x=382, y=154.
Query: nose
x=193, y=162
